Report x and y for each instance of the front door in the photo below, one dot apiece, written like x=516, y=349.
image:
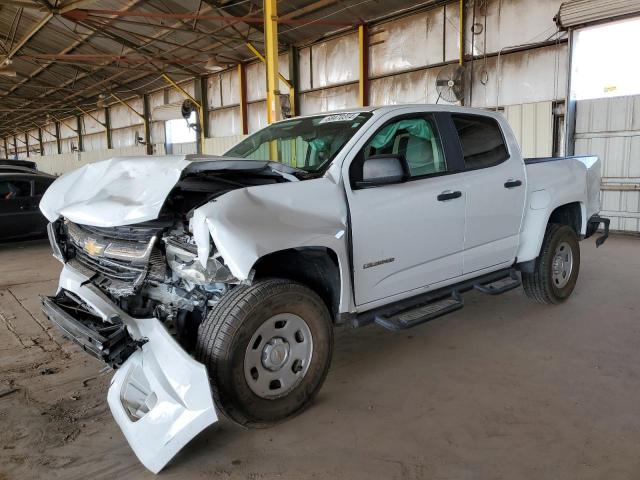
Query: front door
x=407, y=236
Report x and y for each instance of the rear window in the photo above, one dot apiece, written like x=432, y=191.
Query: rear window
x=481, y=140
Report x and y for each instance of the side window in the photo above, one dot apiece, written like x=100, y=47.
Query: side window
x=10, y=189
x=416, y=139
x=481, y=140
x=40, y=187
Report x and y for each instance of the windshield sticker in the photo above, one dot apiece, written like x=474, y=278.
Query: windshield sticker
x=340, y=117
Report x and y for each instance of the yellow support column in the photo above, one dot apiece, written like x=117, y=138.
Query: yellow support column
x=274, y=112
x=363, y=66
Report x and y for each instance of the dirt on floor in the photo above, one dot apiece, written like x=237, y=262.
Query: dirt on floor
x=503, y=389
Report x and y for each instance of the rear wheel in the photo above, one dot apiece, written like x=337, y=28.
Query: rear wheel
x=267, y=348
x=556, y=268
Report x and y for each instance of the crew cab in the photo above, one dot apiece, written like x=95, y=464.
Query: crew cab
x=213, y=284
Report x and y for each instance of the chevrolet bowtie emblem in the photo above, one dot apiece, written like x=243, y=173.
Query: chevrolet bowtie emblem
x=93, y=248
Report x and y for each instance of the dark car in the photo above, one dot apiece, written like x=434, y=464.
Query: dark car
x=21, y=188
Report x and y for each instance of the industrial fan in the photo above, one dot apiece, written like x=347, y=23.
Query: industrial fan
x=450, y=83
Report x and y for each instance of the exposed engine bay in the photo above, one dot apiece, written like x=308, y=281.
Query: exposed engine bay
x=151, y=269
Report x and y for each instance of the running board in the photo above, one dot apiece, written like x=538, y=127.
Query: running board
x=500, y=286
x=415, y=316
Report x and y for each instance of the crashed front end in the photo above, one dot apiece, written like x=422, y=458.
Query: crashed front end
x=133, y=297
x=135, y=286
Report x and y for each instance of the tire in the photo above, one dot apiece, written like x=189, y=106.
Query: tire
x=552, y=281
x=235, y=341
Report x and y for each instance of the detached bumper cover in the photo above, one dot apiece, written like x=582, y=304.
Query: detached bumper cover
x=160, y=396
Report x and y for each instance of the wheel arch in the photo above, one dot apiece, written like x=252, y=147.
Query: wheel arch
x=316, y=267
x=572, y=214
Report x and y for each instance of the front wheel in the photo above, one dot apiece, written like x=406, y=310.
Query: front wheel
x=556, y=268
x=267, y=348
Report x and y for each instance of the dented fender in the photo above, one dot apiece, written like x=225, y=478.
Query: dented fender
x=249, y=223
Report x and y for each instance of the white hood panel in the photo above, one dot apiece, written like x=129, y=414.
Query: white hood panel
x=114, y=192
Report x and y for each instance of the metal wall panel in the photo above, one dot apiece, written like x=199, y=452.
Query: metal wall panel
x=256, y=116
x=510, y=23
x=59, y=164
x=411, y=87
x=174, y=95
x=90, y=123
x=532, y=125
x=225, y=122
x=184, y=148
x=126, y=137
x=219, y=145
x=523, y=77
x=335, y=61
x=329, y=99
x=610, y=128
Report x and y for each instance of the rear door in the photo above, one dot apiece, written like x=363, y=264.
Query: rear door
x=16, y=212
x=495, y=183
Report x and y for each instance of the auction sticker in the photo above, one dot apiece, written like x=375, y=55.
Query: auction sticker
x=339, y=117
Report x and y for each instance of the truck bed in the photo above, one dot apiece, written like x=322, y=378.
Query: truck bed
x=561, y=175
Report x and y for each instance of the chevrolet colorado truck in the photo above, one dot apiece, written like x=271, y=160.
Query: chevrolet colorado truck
x=213, y=284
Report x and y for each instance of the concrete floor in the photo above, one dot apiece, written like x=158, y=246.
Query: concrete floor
x=503, y=389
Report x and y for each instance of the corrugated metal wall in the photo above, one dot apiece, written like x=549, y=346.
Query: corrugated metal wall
x=610, y=128
x=532, y=125
x=406, y=55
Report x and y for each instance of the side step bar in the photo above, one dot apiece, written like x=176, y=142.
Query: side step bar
x=414, y=311
x=421, y=314
x=500, y=286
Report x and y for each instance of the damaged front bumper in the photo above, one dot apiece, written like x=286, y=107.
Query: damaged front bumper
x=159, y=396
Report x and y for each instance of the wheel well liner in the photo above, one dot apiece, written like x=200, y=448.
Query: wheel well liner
x=315, y=267
x=569, y=214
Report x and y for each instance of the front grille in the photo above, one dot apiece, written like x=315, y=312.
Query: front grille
x=117, y=258
x=110, y=268
x=129, y=233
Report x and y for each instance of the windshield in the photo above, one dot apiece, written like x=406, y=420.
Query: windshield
x=309, y=143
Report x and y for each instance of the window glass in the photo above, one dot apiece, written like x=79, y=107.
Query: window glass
x=309, y=143
x=415, y=139
x=10, y=189
x=41, y=186
x=481, y=140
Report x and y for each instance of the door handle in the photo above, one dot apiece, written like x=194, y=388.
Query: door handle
x=512, y=183
x=449, y=195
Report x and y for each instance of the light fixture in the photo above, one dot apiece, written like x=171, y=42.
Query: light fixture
x=213, y=65
x=101, y=103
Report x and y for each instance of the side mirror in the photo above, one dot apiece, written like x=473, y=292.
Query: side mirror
x=380, y=170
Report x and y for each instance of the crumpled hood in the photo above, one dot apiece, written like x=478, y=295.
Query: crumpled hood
x=128, y=190
x=114, y=192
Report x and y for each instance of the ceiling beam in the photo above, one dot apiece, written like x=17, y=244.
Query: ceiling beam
x=83, y=14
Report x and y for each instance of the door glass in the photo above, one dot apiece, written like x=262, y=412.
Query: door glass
x=10, y=189
x=415, y=139
x=40, y=187
x=481, y=140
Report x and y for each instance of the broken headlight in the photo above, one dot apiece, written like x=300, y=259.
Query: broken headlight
x=182, y=258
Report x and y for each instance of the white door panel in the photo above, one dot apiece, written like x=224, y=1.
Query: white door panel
x=404, y=237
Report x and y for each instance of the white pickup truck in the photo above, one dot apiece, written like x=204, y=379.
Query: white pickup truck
x=213, y=284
